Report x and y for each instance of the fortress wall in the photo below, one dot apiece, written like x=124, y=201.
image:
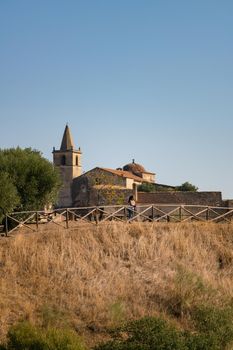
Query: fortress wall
x=228, y=203
x=188, y=198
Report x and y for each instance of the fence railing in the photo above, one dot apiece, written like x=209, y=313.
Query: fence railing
x=69, y=217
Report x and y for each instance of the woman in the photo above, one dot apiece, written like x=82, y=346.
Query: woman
x=132, y=207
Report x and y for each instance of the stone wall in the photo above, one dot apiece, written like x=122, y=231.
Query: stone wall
x=98, y=187
x=109, y=196
x=228, y=203
x=178, y=197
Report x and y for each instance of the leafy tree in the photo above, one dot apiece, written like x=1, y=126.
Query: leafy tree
x=187, y=186
x=146, y=187
x=9, y=198
x=29, y=180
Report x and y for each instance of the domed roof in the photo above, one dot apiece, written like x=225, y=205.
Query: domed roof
x=134, y=168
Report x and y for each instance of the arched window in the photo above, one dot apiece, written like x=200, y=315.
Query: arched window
x=63, y=160
x=76, y=160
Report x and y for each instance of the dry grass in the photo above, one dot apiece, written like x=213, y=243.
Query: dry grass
x=93, y=277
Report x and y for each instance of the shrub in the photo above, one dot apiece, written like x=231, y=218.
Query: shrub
x=216, y=323
x=25, y=336
x=57, y=339
x=146, y=187
x=213, y=331
x=187, y=186
x=147, y=334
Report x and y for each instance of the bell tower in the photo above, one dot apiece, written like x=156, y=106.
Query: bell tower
x=68, y=161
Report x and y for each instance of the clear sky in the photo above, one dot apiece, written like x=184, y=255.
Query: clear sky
x=144, y=79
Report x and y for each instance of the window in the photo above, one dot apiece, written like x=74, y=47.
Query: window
x=63, y=160
x=76, y=160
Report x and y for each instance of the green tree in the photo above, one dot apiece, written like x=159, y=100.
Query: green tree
x=187, y=186
x=146, y=187
x=9, y=198
x=30, y=181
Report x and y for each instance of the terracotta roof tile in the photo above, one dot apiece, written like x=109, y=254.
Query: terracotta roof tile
x=123, y=173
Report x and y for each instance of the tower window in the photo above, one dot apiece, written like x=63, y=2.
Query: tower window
x=63, y=160
x=76, y=160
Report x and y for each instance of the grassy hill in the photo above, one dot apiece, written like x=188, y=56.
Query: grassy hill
x=91, y=278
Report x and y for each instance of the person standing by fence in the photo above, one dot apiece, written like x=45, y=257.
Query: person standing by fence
x=132, y=207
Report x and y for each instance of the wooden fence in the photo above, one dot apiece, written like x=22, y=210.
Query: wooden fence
x=69, y=217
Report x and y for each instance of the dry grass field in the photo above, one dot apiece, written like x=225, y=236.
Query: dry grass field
x=93, y=277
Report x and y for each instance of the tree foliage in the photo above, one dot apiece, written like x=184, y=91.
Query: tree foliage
x=9, y=198
x=154, y=187
x=187, y=186
x=146, y=187
x=27, y=181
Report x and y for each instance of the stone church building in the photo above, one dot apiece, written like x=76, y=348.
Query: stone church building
x=102, y=186
x=78, y=187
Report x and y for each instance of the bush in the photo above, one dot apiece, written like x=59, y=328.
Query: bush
x=187, y=186
x=201, y=342
x=146, y=334
x=146, y=187
x=25, y=336
x=213, y=330
x=57, y=339
x=216, y=323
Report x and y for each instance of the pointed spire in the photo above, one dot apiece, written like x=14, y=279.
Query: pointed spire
x=67, y=140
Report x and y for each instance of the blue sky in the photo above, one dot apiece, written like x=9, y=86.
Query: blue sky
x=144, y=79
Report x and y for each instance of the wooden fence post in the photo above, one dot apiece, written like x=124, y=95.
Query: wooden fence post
x=96, y=215
x=67, y=218
x=37, y=220
x=152, y=213
x=207, y=214
x=6, y=225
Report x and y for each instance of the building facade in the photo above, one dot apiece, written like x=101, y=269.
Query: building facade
x=84, y=189
x=103, y=186
x=68, y=161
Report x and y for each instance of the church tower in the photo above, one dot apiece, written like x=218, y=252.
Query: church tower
x=68, y=161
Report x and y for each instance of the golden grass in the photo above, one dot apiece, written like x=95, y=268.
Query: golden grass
x=99, y=275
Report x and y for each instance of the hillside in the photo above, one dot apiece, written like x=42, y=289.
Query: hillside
x=94, y=277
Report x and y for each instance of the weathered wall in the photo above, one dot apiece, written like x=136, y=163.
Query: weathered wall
x=228, y=203
x=99, y=187
x=69, y=165
x=80, y=192
x=109, y=196
x=176, y=197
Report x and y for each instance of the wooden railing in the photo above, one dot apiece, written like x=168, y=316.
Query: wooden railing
x=69, y=217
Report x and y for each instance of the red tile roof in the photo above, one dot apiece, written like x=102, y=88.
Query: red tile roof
x=123, y=173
